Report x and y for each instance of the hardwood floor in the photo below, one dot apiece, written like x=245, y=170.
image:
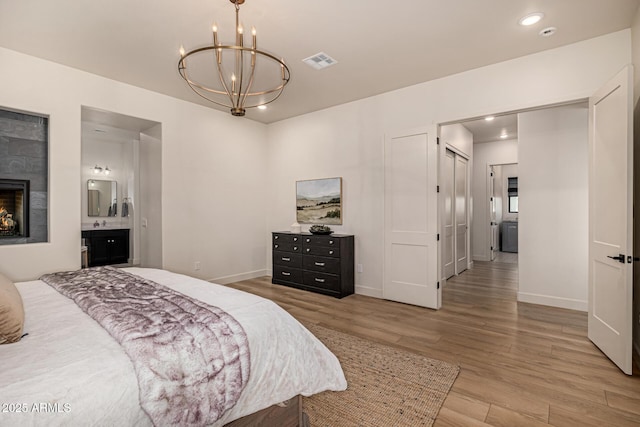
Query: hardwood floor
x=521, y=364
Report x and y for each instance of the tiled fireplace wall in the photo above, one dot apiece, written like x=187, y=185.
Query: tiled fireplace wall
x=24, y=155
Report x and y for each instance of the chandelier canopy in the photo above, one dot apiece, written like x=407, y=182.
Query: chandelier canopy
x=244, y=86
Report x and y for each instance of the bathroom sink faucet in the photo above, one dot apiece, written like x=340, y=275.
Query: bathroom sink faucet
x=104, y=223
x=96, y=224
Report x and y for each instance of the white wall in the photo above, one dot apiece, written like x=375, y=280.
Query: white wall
x=347, y=140
x=485, y=155
x=213, y=203
x=553, y=197
x=149, y=204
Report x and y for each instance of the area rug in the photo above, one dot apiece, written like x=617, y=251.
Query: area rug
x=386, y=386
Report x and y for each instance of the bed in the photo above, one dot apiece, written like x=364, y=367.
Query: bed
x=68, y=370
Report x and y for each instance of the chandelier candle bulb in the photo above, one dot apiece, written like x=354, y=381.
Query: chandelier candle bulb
x=215, y=34
x=182, y=51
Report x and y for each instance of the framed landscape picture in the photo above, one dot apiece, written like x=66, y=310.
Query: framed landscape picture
x=319, y=201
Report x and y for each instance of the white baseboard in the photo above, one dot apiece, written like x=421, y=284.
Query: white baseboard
x=239, y=277
x=368, y=291
x=571, y=304
x=480, y=258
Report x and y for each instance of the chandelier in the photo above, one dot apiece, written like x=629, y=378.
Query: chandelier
x=243, y=87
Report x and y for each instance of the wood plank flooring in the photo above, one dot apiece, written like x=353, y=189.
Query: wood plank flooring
x=521, y=364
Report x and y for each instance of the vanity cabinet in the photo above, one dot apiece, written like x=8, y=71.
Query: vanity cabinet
x=107, y=247
x=317, y=263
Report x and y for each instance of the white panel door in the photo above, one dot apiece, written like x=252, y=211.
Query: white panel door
x=411, y=219
x=461, y=215
x=610, y=219
x=448, y=215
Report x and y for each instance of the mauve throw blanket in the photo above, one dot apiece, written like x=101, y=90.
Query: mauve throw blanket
x=191, y=359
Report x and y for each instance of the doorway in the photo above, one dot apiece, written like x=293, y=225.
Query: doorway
x=126, y=153
x=503, y=212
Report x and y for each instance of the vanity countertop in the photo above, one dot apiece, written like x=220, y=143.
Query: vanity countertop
x=109, y=226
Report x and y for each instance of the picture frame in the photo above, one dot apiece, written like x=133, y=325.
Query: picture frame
x=319, y=201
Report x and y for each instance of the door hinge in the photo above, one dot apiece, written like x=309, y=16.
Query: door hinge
x=438, y=285
x=491, y=173
x=437, y=188
x=438, y=140
x=491, y=200
x=491, y=247
x=438, y=236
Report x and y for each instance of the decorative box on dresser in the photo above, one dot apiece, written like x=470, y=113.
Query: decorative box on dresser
x=317, y=263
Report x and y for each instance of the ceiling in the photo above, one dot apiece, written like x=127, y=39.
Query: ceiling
x=489, y=131
x=379, y=45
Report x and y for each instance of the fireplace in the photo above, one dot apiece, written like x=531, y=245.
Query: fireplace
x=14, y=208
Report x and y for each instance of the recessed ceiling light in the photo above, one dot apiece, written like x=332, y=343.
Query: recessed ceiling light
x=548, y=32
x=489, y=118
x=262, y=107
x=531, y=19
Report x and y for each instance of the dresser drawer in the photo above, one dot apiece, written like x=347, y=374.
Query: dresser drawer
x=287, y=274
x=287, y=247
x=322, y=280
x=287, y=259
x=327, y=241
x=321, y=264
x=286, y=238
x=322, y=251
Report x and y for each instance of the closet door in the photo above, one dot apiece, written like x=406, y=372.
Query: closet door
x=448, y=216
x=461, y=213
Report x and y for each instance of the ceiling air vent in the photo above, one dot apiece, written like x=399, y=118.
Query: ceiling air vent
x=319, y=61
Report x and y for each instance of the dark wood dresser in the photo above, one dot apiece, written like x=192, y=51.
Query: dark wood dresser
x=317, y=263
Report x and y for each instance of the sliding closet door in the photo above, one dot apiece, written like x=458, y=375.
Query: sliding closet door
x=462, y=214
x=448, y=215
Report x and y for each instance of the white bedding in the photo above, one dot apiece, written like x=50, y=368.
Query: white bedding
x=69, y=371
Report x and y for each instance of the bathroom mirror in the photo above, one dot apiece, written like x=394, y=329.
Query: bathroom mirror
x=101, y=196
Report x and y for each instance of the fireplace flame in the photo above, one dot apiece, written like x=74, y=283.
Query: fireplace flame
x=6, y=220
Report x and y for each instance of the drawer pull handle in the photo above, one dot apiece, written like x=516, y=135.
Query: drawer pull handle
x=284, y=273
x=319, y=280
x=330, y=252
x=295, y=248
x=320, y=264
x=331, y=242
x=308, y=240
x=276, y=237
x=308, y=250
x=275, y=246
x=295, y=239
x=286, y=259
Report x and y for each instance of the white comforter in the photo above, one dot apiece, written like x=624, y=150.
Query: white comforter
x=69, y=371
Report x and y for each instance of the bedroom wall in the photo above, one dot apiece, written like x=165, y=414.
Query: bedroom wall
x=213, y=202
x=486, y=154
x=347, y=140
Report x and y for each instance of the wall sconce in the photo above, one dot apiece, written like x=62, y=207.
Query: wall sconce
x=98, y=170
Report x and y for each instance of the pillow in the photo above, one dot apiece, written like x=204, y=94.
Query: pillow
x=11, y=312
